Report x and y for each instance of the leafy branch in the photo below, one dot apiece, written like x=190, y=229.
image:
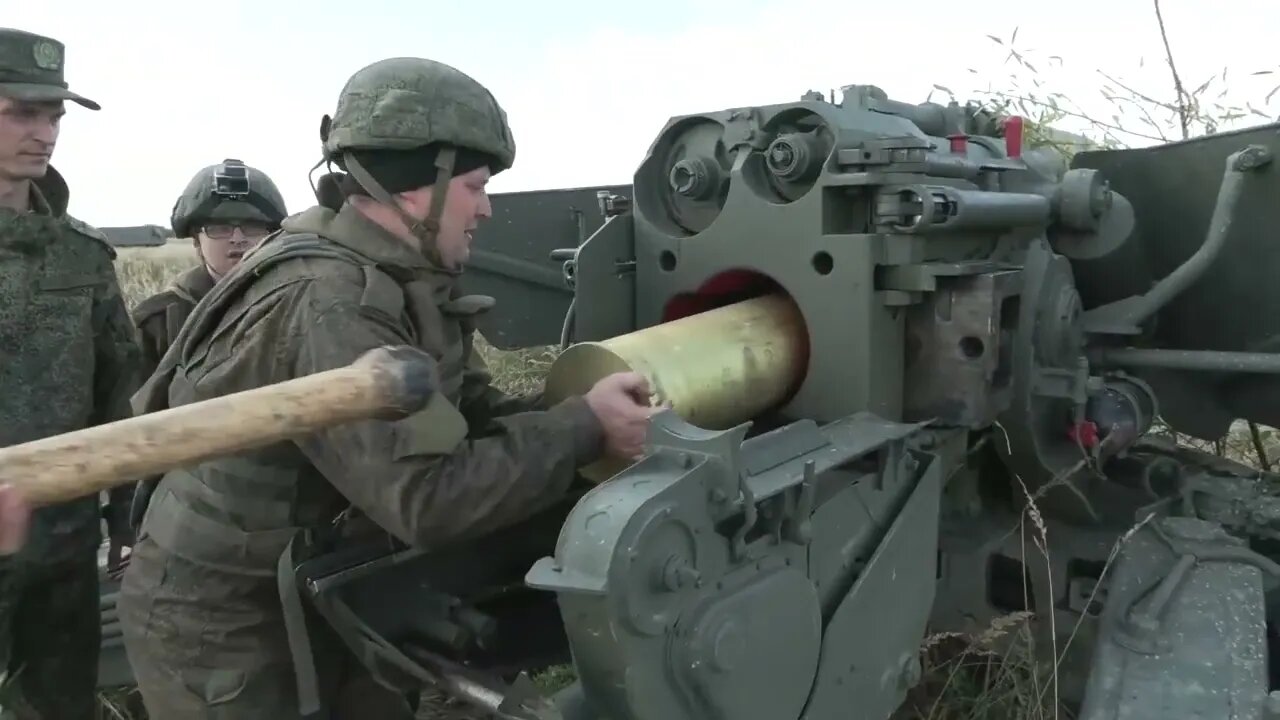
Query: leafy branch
x=1124, y=113
x=1183, y=107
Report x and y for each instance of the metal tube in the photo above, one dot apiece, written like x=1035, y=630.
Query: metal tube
x=1203, y=360
x=715, y=369
x=1233, y=178
x=979, y=209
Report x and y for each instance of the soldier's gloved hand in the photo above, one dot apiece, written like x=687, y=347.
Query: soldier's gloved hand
x=15, y=519
x=621, y=402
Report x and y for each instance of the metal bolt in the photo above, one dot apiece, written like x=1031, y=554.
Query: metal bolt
x=682, y=179
x=782, y=156
x=678, y=574
x=693, y=178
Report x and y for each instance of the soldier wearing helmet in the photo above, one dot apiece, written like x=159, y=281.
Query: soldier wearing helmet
x=210, y=621
x=225, y=209
x=68, y=362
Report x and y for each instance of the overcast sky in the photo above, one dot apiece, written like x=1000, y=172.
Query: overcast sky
x=586, y=84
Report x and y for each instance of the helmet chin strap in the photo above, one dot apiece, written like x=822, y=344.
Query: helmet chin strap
x=424, y=230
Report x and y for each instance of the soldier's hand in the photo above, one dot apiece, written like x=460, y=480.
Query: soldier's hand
x=621, y=402
x=15, y=517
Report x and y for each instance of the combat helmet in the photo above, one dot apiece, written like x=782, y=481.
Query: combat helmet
x=229, y=190
x=405, y=104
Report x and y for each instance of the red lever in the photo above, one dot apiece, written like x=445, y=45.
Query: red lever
x=1013, y=136
x=1084, y=433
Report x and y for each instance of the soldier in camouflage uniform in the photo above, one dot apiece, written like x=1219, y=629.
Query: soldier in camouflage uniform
x=225, y=209
x=69, y=362
x=376, y=263
x=223, y=222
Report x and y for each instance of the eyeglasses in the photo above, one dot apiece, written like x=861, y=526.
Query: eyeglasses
x=224, y=230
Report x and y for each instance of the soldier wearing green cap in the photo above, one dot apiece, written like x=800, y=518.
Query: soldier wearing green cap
x=209, y=605
x=70, y=361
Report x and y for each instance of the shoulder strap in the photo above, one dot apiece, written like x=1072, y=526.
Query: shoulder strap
x=153, y=305
x=276, y=249
x=383, y=294
x=83, y=228
x=179, y=292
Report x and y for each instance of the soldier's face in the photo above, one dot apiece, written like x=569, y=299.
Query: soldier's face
x=222, y=244
x=465, y=206
x=28, y=134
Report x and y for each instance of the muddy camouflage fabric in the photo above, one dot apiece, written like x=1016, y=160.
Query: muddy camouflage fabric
x=159, y=318
x=69, y=362
x=157, y=321
x=50, y=632
x=200, y=607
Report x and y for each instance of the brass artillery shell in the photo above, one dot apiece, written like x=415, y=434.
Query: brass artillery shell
x=715, y=369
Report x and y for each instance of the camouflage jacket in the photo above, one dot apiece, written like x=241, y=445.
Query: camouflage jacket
x=159, y=318
x=69, y=354
x=328, y=288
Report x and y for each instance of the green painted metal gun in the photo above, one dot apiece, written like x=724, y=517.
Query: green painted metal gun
x=887, y=331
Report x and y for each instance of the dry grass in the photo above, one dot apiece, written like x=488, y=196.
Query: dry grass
x=986, y=676
x=144, y=271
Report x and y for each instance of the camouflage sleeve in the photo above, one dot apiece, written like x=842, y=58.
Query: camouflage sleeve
x=481, y=403
x=150, y=329
x=151, y=343
x=423, y=478
x=115, y=380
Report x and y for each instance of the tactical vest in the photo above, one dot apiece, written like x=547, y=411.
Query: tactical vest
x=158, y=320
x=243, y=514
x=174, y=302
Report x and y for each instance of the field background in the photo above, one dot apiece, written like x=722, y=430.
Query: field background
x=144, y=271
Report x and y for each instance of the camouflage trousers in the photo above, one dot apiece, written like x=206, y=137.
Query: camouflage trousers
x=50, y=634
x=209, y=644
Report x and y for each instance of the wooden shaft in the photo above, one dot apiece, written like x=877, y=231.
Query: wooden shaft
x=384, y=383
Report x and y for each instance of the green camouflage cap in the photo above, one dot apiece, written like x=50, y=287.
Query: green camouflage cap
x=31, y=69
